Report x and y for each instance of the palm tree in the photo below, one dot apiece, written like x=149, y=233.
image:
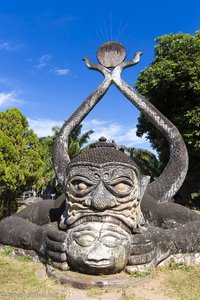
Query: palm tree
x=77, y=141
x=147, y=161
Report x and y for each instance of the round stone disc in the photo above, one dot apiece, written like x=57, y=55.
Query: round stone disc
x=111, y=54
x=83, y=281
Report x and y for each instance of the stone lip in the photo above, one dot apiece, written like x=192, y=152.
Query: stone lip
x=83, y=281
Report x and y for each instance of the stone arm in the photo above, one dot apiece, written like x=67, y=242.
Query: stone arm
x=35, y=228
x=169, y=182
x=156, y=244
x=44, y=212
x=166, y=215
x=60, y=153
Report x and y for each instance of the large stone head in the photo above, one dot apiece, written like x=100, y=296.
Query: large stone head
x=103, y=181
x=102, y=209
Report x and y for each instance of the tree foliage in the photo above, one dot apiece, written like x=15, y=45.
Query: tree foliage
x=21, y=165
x=77, y=140
x=172, y=84
x=147, y=161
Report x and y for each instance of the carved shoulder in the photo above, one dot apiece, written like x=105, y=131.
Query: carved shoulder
x=44, y=212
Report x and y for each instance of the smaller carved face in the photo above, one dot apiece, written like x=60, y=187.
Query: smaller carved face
x=98, y=248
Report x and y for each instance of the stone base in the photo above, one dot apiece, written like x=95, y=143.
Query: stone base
x=19, y=252
x=83, y=281
x=182, y=258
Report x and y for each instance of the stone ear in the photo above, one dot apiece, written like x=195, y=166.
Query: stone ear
x=143, y=185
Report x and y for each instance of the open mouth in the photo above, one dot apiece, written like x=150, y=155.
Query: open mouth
x=101, y=216
x=99, y=264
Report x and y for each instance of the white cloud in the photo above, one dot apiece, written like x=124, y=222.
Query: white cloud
x=110, y=131
x=60, y=71
x=8, y=99
x=94, y=122
x=4, y=45
x=43, y=127
x=43, y=61
x=130, y=136
x=121, y=134
x=9, y=46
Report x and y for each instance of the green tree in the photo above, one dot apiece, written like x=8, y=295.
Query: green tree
x=172, y=84
x=147, y=161
x=77, y=140
x=48, y=174
x=20, y=158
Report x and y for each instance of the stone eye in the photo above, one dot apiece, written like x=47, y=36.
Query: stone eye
x=111, y=241
x=84, y=239
x=81, y=186
x=122, y=187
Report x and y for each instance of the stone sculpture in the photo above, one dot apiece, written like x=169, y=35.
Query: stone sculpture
x=109, y=218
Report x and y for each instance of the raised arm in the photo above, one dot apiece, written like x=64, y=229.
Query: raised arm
x=60, y=153
x=171, y=179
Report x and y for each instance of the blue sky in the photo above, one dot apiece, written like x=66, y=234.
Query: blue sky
x=42, y=44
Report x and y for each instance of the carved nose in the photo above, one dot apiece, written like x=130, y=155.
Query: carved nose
x=98, y=253
x=102, y=198
x=100, y=203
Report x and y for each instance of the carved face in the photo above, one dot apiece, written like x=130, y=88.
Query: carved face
x=107, y=189
x=98, y=248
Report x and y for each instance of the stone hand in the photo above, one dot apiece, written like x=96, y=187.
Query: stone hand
x=142, y=255
x=148, y=249
x=97, y=67
x=50, y=244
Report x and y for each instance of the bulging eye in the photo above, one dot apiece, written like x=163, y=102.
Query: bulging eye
x=122, y=187
x=81, y=186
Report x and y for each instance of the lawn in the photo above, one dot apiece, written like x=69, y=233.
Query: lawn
x=18, y=280
x=21, y=278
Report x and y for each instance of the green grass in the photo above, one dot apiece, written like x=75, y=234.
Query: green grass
x=7, y=250
x=137, y=274
x=182, y=282
x=18, y=280
x=180, y=266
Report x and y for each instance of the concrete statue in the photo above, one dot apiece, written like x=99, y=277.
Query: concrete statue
x=109, y=219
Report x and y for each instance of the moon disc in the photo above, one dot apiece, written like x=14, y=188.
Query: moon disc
x=111, y=54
